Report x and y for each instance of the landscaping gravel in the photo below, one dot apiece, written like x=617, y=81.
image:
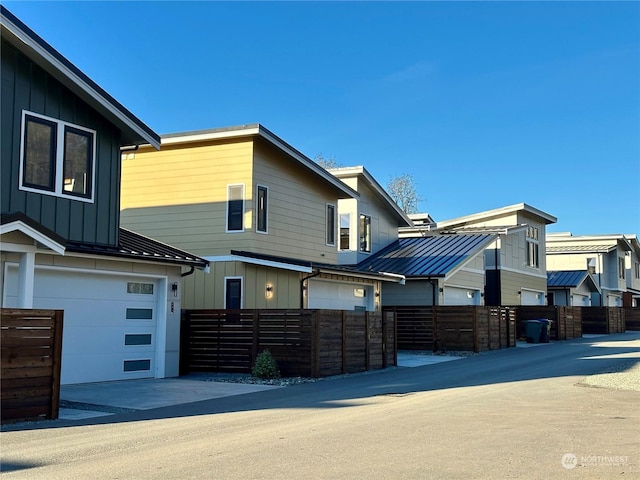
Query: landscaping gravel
x=625, y=377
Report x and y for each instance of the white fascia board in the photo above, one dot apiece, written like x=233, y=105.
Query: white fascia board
x=32, y=233
x=68, y=76
x=206, y=135
x=258, y=261
x=498, y=212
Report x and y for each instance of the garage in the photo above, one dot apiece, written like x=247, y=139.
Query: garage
x=110, y=321
x=340, y=296
x=461, y=296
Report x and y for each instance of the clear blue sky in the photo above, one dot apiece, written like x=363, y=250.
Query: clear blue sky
x=485, y=104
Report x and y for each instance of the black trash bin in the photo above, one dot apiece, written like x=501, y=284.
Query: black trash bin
x=532, y=330
x=545, y=330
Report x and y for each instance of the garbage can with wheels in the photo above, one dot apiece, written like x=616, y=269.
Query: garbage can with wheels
x=532, y=330
x=545, y=330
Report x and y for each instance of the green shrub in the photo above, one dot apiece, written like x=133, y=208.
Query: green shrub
x=265, y=366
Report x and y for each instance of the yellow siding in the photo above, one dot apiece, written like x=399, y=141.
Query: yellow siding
x=513, y=282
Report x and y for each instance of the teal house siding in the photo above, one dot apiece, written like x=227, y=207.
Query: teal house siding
x=27, y=86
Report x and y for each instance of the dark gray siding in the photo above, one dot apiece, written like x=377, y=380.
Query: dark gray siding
x=26, y=86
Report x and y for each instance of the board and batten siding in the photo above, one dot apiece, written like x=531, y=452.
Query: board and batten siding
x=26, y=86
x=413, y=292
x=178, y=195
x=514, y=282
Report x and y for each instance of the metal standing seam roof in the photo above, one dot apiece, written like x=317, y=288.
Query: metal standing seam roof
x=134, y=246
x=567, y=248
x=565, y=278
x=430, y=256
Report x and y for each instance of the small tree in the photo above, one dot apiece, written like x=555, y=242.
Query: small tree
x=266, y=366
x=403, y=190
x=328, y=162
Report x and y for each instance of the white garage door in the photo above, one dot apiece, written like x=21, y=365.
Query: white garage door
x=339, y=296
x=109, y=330
x=461, y=296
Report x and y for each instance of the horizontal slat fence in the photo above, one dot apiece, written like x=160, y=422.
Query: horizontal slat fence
x=31, y=352
x=470, y=328
x=603, y=320
x=566, y=322
x=312, y=343
x=632, y=318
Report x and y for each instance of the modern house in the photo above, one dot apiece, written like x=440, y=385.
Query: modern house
x=264, y=215
x=62, y=246
x=571, y=288
x=613, y=260
x=515, y=272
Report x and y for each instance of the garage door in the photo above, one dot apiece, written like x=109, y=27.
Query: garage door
x=110, y=322
x=461, y=296
x=340, y=296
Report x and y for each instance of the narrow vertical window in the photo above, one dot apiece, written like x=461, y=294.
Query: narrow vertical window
x=261, y=209
x=77, y=162
x=345, y=224
x=365, y=233
x=233, y=293
x=621, y=268
x=235, y=208
x=331, y=224
x=533, y=258
x=39, y=154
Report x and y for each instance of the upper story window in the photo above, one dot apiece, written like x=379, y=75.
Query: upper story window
x=57, y=157
x=331, y=224
x=621, y=268
x=637, y=269
x=261, y=209
x=533, y=255
x=345, y=236
x=365, y=233
x=235, y=208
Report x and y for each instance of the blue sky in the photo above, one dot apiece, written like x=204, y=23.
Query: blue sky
x=485, y=104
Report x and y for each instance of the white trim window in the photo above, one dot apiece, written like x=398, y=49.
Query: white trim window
x=365, y=233
x=262, y=195
x=533, y=254
x=235, y=208
x=57, y=158
x=345, y=231
x=331, y=225
x=621, y=268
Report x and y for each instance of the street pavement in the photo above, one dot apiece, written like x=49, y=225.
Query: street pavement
x=516, y=413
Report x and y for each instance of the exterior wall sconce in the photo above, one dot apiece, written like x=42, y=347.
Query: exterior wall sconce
x=377, y=294
x=174, y=288
x=441, y=290
x=268, y=290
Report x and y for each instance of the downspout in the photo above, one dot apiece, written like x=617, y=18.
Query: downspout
x=190, y=272
x=434, y=284
x=302, y=286
x=600, y=277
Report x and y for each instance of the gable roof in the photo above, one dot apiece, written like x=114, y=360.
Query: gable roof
x=256, y=130
x=428, y=256
x=363, y=173
x=19, y=222
x=568, y=243
x=497, y=213
x=570, y=279
x=134, y=131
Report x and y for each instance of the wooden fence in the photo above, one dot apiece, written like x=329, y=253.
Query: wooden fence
x=31, y=352
x=566, y=322
x=471, y=328
x=314, y=343
x=603, y=320
x=632, y=318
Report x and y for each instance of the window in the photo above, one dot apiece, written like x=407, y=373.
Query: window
x=139, y=314
x=365, y=233
x=621, y=268
x=57, y=158
x=140, y=288
x=533, y=257
x=235, y=208
x=137, y=339
x=261, y=209
x=345, y=221
x=637, y=269
x=137, y=365
x=233, y=293
x=331, y=224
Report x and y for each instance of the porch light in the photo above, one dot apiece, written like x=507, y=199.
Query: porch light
x=268, y=290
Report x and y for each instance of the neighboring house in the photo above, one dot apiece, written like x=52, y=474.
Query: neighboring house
x=571, y=288
x=369, y=222
x=514, y=263
x=440, y=269
x=613, y=260
x=62, y=245
x=264, y=215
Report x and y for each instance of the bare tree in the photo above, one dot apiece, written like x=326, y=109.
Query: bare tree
x=327, y=162
x=403, y=190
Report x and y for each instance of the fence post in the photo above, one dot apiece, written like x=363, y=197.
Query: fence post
x=58, y=322
x=256, y=333
x=434, y=325
x=344, y=342
x=475, y=330
x=367, y=349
